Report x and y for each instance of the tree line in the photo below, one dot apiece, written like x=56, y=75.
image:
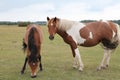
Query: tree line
x=115, y=21
x=25, y=23
x=22, y=23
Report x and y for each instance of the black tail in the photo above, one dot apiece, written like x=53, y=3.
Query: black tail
x=24, y=46
x=110, y=45
x=32, y=47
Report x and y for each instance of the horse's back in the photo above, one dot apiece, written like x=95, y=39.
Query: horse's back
x=38, y=32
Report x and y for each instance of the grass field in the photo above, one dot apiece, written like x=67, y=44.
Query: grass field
x=56, y=58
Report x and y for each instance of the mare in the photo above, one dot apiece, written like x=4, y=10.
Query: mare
x=32, y=46
x=90, y=34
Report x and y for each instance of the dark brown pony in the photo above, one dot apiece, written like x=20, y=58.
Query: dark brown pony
x=32, y=45
x=76, y=33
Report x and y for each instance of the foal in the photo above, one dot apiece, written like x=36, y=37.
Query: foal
x=87, y=35
x=32, y=45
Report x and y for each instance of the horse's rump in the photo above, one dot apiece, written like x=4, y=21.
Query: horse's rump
x=38, y=30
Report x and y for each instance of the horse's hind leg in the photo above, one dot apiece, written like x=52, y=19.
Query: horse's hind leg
x=40, y=65
x=24, y=66
x=106, y=58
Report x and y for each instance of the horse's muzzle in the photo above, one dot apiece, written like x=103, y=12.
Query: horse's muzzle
x=33, y=76
x=51, y=37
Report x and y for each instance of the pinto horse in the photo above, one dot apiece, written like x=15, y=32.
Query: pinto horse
x=76, y=33
x=32, y=45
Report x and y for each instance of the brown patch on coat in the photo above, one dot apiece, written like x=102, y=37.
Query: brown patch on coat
x=100, y=30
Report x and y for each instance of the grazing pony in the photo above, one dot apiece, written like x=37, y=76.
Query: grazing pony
x=87, y=35
x=32, y=45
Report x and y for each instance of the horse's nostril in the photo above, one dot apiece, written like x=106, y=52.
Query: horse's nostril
x=51, y=37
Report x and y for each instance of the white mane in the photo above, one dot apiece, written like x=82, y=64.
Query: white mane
x=66, y=24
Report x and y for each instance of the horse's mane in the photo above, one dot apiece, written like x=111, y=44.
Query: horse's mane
x=38, y=30
x=66, y=24
x=32, y=46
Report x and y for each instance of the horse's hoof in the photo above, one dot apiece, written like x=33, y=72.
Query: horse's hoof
x=80, y=69
x=98, y=69
x=101, y=67
x=107, y=65
x=74, y=67
x=41, y=69
x=22, y=72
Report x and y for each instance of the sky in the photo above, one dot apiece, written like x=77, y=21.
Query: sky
x=76, y=10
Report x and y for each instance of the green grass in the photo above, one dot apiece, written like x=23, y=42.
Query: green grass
x=56, y=58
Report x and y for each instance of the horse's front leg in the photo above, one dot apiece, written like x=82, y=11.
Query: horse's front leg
x=24, y=66
x=77, y=57
x=75, y=63
x=40, y=65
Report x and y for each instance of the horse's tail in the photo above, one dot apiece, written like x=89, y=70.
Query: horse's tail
x=115, y=40
x=32, y=46
x=24, y=46
x=118, y=32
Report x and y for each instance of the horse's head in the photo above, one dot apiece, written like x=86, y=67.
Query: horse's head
x=52, y=27
x=33, y=63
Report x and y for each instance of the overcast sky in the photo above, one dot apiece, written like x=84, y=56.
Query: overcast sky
x=38, y=10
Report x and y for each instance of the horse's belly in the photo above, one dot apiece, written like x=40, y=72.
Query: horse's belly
x=89, y=43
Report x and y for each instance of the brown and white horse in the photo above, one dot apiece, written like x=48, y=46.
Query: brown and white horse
x=87, y=35
x=32, y=45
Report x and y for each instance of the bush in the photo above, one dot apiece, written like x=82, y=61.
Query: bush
x=23, y=24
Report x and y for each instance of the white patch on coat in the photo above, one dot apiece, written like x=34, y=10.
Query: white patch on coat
x=78, y=57
x=51, y=24
x=66, y=24
x=114, y=34
x=90, y=35
x=33, y=74
x=33, y=64
x=75, y=34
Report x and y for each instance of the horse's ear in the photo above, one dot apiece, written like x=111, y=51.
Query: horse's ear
x=55, y=19
x=48, y=18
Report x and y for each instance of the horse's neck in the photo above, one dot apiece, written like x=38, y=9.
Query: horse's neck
x=65, y=24
x=62, y=33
